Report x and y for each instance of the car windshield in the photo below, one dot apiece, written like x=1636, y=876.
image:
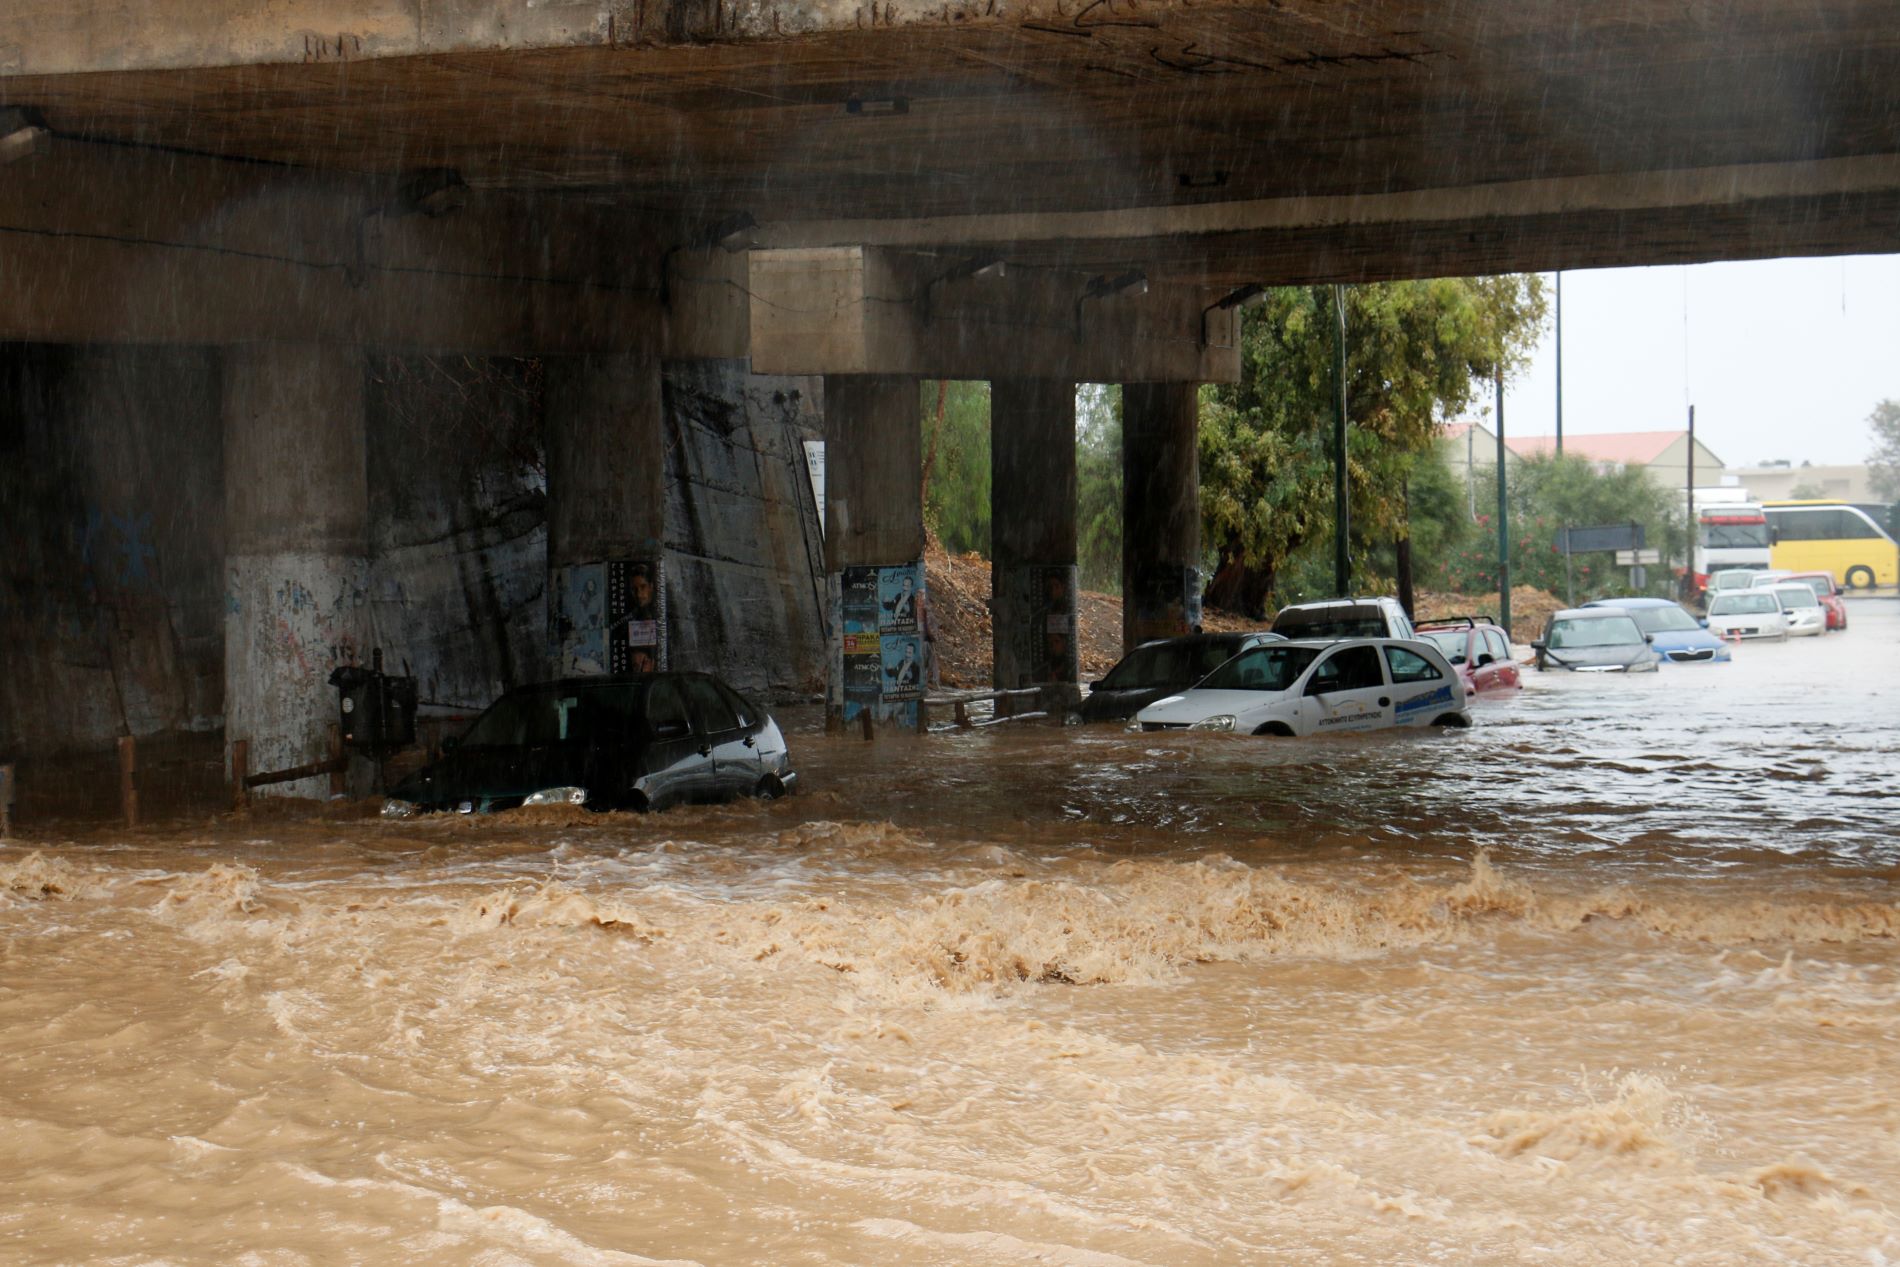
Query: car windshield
x=1821, y=585
x=557, y=715
x=1272, y=668
x=1168, y=664
x=1752, y=604
x=1593, y=631
x=1348, y=622
x=1796, y=595
x=1449, y=641
x=1662, y=619
x=1734, y=579
x=1767, y=580
x=1736, y=536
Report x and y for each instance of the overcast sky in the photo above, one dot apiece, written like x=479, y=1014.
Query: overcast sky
x=1782, y=358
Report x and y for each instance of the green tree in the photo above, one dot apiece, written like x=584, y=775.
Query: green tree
x=956, y=441
x=1883, y=464
x=1098, y=477
x=1416, y=352
x=1546, y=494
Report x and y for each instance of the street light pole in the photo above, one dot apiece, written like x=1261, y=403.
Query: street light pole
x=1504, y=523
x=1342, y=522
x=1560, y=362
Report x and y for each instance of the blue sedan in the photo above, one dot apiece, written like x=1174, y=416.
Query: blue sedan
x=1673, y=632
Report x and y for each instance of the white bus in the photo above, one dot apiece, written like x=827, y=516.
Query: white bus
x=1735, y=535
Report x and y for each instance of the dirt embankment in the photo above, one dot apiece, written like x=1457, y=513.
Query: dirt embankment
x=959, y=587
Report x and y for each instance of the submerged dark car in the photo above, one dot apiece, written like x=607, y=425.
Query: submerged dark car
x=1155, y=669
x=637, y=742
x=1595, y=640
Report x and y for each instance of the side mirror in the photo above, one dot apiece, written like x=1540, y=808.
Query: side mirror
x=1649, y=637
x=1540, y=645
x=1704, y=622
x=672, y=730
x=1095, y=686
x=1486, y=658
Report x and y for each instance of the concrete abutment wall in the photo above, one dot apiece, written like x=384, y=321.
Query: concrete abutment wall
x=381, y=500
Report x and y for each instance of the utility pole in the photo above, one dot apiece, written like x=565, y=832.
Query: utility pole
x=1504, y=523
x=1560, y=362
x=1342, y=522
x=1471, y=479
x=1687, y=588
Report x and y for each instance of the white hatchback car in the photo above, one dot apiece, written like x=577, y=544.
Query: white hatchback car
x=1311, y=687
x=1746, y=614
x=1802, y=609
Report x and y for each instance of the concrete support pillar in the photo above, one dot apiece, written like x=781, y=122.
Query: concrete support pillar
x=296, y=503
x=606, y=457
x=874, y=548
x=1161, y=511
x=1032, y=537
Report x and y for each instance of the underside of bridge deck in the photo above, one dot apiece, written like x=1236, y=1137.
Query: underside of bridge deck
x=1226, y=142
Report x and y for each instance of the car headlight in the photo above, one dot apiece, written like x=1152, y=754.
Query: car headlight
x=1219, y=721
x=393, y=808
x=558, y=796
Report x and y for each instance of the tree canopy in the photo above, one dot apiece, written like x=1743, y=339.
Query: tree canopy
x=1417, y=352
x=1883, y=464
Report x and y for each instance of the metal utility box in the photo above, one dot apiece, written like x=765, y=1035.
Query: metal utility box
x=376, y=710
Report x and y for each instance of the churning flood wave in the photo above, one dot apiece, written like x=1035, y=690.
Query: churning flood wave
x=1613, y=977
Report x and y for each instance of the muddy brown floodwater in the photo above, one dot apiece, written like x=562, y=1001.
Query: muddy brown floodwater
x=1610, y=978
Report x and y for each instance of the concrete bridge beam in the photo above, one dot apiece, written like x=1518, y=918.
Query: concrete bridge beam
x=1033, y=536
x=1161, y=512
x=863, y=310
x=113, y=244
x=296, y=501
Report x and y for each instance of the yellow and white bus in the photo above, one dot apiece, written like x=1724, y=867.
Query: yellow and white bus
x=1830, y=536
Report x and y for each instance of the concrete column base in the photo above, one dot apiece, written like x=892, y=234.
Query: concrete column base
x=1032, y=535
x=874, y=545
x=1161, y=521
x=291, y=618
x=1032, y=613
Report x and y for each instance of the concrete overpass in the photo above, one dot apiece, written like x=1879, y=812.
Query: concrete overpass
x=872, y=193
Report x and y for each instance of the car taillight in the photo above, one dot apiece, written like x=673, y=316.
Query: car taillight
x=1702, y=581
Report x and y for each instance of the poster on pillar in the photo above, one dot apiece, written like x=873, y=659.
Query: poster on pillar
x=883, y=652
x=609, y=618
x=1165, y=601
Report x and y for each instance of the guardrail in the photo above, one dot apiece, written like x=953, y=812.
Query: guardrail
x=1006, y=707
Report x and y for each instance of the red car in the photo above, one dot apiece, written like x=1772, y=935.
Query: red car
x=1478, y=649
x=1822, y=583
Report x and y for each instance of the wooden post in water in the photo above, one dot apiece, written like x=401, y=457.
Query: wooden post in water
x=240, y=768
x=338, y=777
x=129, y=779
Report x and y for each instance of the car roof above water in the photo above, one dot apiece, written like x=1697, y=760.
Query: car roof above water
x=1605, y=612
